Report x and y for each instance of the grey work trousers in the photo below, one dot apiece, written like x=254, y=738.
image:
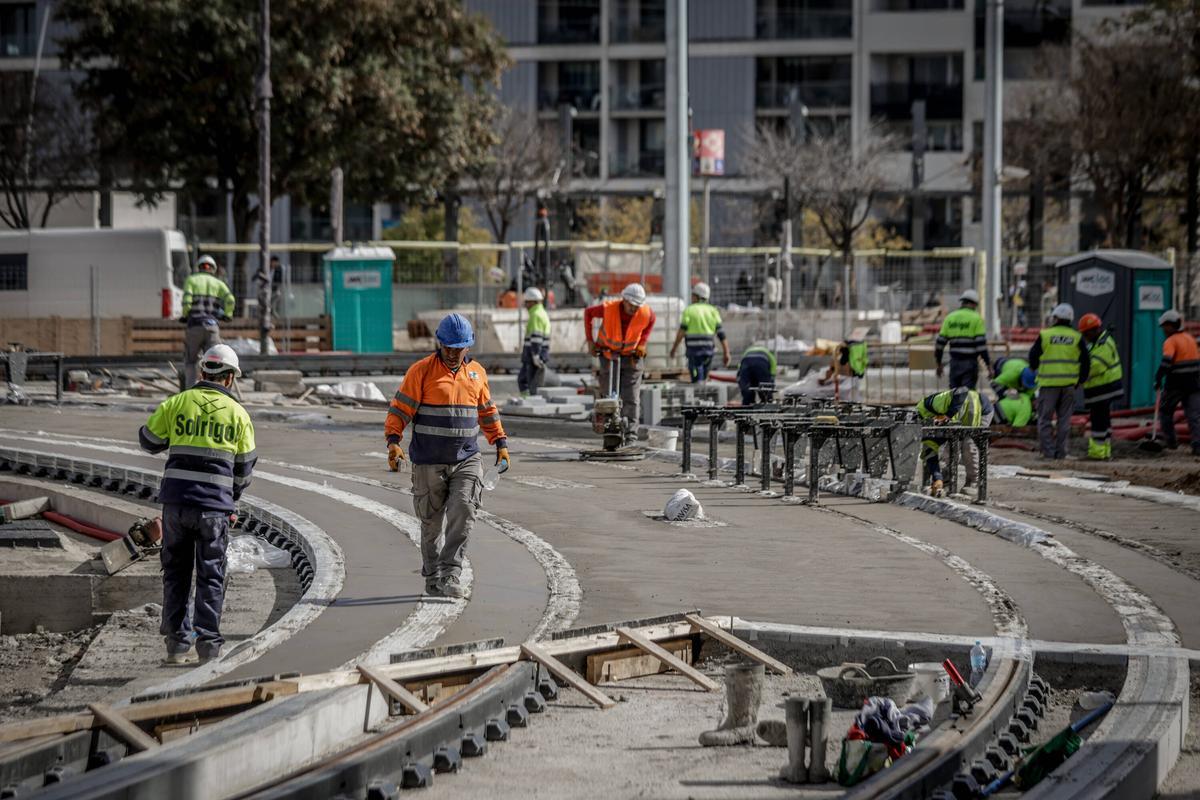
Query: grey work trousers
x=446, y=495
x=630, y=388
x=196, y=341
x=1191, y=411
x=1054, y=401
x=193, y=539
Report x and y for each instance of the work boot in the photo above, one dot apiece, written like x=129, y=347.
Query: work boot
x=937, y=488
x=450, y=587
x=796, y=711
x=208, y=653
x=743, y=695
x=432, y=586
x=178, y=652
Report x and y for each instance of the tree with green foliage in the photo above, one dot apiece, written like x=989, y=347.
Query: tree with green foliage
x=428, y=224
x=394, y=93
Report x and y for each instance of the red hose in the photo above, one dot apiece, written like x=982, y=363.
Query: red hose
x=76, y=525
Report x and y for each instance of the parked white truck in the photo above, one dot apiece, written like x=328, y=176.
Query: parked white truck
x=47, y=272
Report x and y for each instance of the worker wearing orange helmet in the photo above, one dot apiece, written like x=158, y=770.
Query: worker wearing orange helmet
x=1103, y=385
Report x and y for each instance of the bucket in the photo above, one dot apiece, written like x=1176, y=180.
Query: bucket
x=932, y=680
x=890, y=333
x=663, y=438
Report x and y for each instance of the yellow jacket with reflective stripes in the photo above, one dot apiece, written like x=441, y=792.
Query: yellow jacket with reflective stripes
x=1057, y=357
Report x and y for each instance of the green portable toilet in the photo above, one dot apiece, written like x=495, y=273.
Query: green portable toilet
x=358, y=296
x=1128, y=290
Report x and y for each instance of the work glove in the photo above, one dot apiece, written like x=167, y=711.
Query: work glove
x=395, y=457
x=940, y=419
x=639, y=354
x=594, y=348
x=502, y=459
x=537, y=361
x=940, y=370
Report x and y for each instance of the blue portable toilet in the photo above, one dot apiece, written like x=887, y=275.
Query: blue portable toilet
x=358, y=296
x=1128, y=290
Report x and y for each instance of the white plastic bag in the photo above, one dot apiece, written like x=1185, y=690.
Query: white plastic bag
x=683, y=506
x=248, y=553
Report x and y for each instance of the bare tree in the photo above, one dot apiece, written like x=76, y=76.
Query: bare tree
x=523, y=158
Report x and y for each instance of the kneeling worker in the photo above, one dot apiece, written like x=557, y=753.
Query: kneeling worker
x=1102, y=386
x=625, y=326
x=963, y=407
x=445, y=396
x=700, y=323
x=756, y=375
x=209, y=441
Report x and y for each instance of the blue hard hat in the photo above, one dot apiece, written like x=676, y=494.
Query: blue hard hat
x=1028, y=378
x=455, y=331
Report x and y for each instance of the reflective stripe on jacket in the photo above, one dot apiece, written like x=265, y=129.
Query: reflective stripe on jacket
x=1058, y=364
x=962, y=406
x=210, y=444
x=205, y=296
x=700, y=323
x=446, y=409
x=1105, y=373
x=964, y=332
x=537, y=330
x=612, y=339
x=1180, y=363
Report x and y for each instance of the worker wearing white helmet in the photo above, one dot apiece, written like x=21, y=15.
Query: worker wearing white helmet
x=1060, y=357
x=1178, y=380
x=206, y=299
x=209, y=440
x=535, y=353
x=966, y=336
x=624, y=331
x=701, y=321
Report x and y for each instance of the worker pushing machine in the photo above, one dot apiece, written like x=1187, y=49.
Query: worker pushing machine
x=1178, y=381
x=206, y=299
x=446, y=399
x=209, y=441
x=700, y=323
x=1103, y=384
x=625, y=326
x=535, y=354
x=966, y=336
x=756, y=375
x=1062, y=363
x=961, y=406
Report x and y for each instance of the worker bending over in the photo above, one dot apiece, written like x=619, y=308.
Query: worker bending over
x=756, y=375
x=700, y=323
x=849, y=360
x=1014, y=385
x=1062, y=363
x=209, y=441
x=625, y=326
x=963, y=407
x=963, y=331
x=1178, y=378
x=206, y=299
x=1103, y=384
x=446, y=399
x=535, y=354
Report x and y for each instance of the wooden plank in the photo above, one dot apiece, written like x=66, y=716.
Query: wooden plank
x=726, y=638
x=631, y=662
x=565, y=673
x=137, y=739
x=656, y=650
x=392, y=689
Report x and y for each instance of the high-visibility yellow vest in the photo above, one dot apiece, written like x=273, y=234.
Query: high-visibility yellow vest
x=1059, y=364
x=1106, y=362
x=857, y=358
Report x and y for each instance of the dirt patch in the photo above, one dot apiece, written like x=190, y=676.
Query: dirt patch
x=1172, y=470
x=34, y=666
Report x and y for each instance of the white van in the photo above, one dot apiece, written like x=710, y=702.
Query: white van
x=47, y=272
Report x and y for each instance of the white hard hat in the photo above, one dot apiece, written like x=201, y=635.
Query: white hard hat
x=207, y=263
x=634, y=294
x=702, y=291
x=1170, y=316
x=1064, y=311
x=534, y=295
x=219, y=359
x=969, y=296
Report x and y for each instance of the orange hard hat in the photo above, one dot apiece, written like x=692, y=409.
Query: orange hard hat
x=1089, y=321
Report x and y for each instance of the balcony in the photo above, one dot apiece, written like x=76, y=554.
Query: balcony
x=568, y=21
x=894, y=100
x=643, y=164
x=647, y=97
x=814, y=94
x=806, y=24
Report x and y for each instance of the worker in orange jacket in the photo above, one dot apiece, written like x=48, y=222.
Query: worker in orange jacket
x=1178, y=379
x=446, y=399
x=624, y=331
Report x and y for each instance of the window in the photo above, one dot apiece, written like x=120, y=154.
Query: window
x=180, y=269
x=17, y=30
x=14, y=272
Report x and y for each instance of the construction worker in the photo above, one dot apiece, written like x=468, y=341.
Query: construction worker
x=1178, y=379
x=206, y=299
x=446, y=398
x=625, y=326
x=1012, y=374
x=850, y=360
x=1103, y=384
x=756, y=375
x=535, y=354
x=700, y=323
x=1062, y=363
x=963, y=331
x=209, y=441
x=959, y=406
x=1014, y=409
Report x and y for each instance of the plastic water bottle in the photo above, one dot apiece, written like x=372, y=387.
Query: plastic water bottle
x=978, y=663
x=491, y=477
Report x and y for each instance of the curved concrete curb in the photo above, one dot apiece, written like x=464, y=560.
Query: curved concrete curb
x=1123, y=488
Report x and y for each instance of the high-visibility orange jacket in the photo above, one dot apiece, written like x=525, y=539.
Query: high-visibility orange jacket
x=1180, y=367
x=447, y=410
x=620, y=333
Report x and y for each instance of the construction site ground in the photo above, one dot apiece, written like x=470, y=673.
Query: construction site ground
x=846, y=564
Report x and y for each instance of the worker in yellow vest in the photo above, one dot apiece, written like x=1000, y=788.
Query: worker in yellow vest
x=1062, y=363
x=1103, y=385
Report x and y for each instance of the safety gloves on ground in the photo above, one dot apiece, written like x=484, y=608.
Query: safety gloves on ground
x=395, y=457
x=502, y=459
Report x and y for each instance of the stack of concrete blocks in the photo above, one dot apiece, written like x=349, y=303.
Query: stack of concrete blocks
x=287, y=382
x=551, y=401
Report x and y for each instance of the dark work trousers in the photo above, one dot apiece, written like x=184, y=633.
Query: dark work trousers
x=1191, y=411
x=751, y=376
x=699, y=362
x=964, y=372
x=193, y=538
x=1101, y=419
x=199, y=336
x=530, y=378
